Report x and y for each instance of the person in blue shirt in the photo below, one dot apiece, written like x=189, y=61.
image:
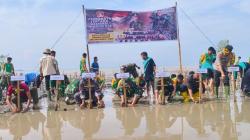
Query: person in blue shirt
x=149, y=72
x=33, y=80
x=95, y=65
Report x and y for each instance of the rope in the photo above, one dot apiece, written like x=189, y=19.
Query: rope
x=65, y=31
x=197, y=27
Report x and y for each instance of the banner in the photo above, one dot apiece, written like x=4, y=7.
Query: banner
x=108, y=26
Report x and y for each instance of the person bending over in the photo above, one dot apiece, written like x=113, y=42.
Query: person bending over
x=25, y=97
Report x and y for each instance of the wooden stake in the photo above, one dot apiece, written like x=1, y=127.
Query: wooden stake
x=162, y=94
x=233, y=86
x=56, y=95
x=200, y=87
x=125, y=92
x=90, y=105
x=18, y=96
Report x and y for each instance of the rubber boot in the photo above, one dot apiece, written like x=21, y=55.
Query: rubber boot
x=227, y=91
x=216, y=91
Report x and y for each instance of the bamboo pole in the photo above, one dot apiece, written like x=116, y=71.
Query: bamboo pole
x=88, y=57
x=178, y=40
x=84, y=15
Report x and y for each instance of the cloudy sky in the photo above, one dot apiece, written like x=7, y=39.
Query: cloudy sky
x=29, y=26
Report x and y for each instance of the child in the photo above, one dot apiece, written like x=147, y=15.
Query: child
x=83, y=63
x=95, y=65
x=9, y=67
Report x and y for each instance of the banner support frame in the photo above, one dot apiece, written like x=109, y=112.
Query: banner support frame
x=87, y=45
x=178, y=39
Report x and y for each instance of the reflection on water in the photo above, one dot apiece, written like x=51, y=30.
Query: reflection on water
x=215, y=120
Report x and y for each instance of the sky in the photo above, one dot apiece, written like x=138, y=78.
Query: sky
x=27, y=27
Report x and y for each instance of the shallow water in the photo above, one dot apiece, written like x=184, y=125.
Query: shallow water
x=214, y=120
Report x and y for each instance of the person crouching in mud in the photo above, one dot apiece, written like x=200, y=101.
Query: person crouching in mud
x=83, y=95
x=25, y=97
x=134, y=85
x=114, y=84
x=245, y=85
x=245, y=75
x=99, y=81
x=193, y=87
x=180, y=87
x=168, y=89
x=132, y=91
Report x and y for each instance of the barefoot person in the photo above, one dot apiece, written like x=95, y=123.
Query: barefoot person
x=83, y=95
x=25, y=97
x=193, y=86
x=206, y=62
x=149, y=72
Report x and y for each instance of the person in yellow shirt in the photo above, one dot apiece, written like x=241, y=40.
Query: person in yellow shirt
x=83, y=63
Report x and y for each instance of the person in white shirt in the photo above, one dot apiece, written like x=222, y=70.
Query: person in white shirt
x=48, y=67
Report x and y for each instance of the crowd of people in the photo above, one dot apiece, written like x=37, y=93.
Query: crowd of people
x=191, y=86
x=85, y=91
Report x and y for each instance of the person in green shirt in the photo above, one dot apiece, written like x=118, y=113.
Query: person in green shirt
x=206, y=62
x=83, y=63
x=9, y=67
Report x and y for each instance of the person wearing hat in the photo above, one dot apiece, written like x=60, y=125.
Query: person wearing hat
x=48, y=67
x=206, y=62
x=225, y=59
x=8, y=67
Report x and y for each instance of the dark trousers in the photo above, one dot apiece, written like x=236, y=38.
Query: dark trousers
x=217, y=76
